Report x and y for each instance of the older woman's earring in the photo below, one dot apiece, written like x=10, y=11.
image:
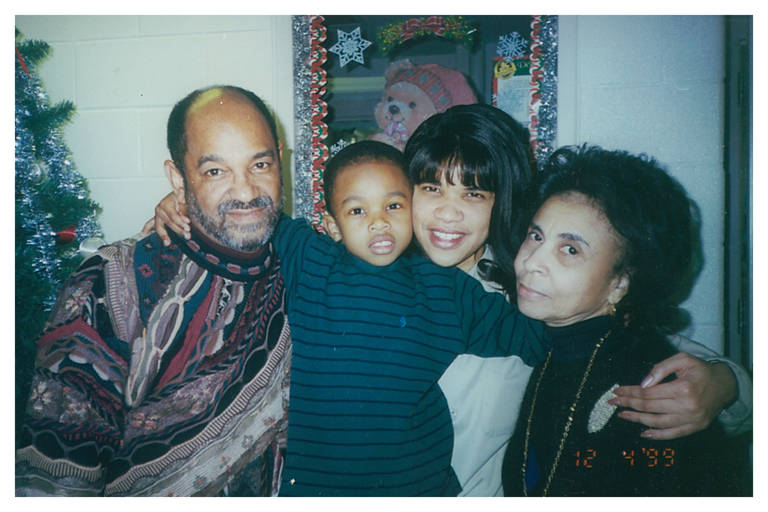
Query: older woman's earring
x=612, y=309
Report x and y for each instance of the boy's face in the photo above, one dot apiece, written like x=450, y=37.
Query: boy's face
x=372, y=205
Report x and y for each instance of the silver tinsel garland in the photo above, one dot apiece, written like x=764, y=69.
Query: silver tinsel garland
x=302, y=79
x=547, y=129
x=45, y=163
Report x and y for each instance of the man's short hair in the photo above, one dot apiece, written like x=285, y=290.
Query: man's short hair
x=177, y=136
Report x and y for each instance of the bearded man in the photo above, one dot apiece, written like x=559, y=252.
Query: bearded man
x=163, y=369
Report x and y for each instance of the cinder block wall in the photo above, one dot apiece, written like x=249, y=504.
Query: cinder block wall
x=654, y=84
x=124, y=73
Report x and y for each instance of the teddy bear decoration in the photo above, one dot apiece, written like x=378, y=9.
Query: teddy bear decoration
x=412, y=94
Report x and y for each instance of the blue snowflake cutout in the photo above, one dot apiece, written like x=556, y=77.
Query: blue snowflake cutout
x=511, y=46
x=350, y=46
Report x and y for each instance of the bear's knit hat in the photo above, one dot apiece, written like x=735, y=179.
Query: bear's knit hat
x=446, y=87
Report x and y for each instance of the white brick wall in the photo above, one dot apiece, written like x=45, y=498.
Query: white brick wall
x=654, y=84
x=124, y=73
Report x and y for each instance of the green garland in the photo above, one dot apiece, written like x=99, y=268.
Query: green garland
x=453, y=28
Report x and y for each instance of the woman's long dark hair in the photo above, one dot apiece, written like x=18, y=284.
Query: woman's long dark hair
x=487, y=149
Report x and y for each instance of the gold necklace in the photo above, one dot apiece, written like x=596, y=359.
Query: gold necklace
x=568, y=423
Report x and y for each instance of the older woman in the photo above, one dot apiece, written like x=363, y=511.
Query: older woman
x=603, y=258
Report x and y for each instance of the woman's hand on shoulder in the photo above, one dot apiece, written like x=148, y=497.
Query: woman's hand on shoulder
x=680, y=407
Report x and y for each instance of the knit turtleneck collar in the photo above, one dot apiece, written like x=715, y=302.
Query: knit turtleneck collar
x=576, y=341
x=224, y=261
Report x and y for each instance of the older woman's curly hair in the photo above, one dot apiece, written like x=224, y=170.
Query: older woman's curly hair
x=649, y=211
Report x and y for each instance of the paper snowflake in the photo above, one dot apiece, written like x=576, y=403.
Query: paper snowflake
x=350, y=46
x=340, y=144
x=511, y=46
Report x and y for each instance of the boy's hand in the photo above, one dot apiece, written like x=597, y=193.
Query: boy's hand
x=169, y=213
x=682, y=406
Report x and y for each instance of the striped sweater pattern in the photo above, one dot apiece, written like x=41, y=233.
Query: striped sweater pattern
x=367, y=417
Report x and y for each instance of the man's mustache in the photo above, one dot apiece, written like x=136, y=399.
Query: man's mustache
x=256, y=202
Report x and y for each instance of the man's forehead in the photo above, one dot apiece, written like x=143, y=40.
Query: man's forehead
x=223, y=105
x=206, y=98
x=222, y=102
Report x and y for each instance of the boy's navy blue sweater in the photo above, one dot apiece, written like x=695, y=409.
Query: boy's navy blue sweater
x=367, y=417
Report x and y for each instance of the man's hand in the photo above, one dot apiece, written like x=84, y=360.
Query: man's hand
x=682, y=406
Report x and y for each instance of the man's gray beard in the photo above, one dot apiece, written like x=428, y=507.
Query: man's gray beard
x=235, y=236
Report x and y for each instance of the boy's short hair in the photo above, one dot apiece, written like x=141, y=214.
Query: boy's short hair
x=355, y=154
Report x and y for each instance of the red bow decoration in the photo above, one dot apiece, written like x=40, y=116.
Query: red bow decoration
x=416, y=26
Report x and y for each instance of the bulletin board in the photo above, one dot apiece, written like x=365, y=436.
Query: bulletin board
x=344, y=64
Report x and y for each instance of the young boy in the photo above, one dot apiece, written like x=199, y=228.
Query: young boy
x=372, y=333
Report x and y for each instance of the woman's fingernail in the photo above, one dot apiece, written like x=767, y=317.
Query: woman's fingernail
x=647, y=381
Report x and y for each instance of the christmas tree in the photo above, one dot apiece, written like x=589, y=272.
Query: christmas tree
x=54, y=212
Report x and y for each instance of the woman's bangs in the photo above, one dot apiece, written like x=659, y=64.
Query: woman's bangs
x=470, y=172
x=466, y=164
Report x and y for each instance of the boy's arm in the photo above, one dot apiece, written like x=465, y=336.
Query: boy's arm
x=290, y=241
x=492, y=327
x=696, y=397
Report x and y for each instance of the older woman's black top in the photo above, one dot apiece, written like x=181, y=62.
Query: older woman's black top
x=613, y=460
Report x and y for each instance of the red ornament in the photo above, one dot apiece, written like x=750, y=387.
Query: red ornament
x=21, y=61
x=66, y=236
